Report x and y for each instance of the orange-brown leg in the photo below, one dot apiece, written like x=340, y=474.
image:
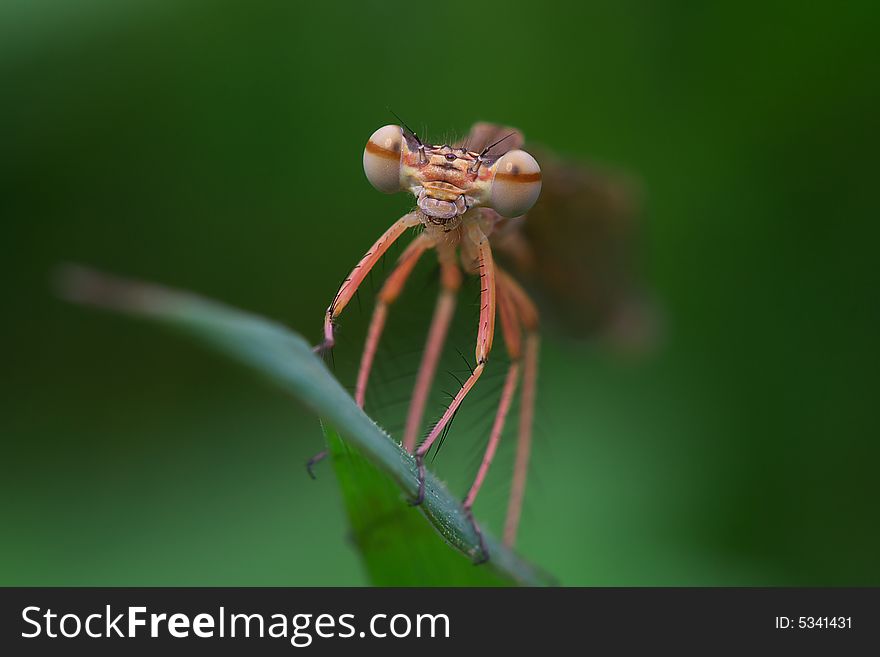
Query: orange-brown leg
x=524, y=442
x=511, y=326
x=528, y=317
x=391, y=289
x=450, y=279
x=359, y=273
x=485, y=334
x=510, y=329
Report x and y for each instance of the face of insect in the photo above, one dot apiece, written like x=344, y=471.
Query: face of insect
x=448, y=181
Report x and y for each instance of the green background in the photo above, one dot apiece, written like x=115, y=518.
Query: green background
x=216, y=146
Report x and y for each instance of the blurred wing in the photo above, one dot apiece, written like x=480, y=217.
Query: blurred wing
x=577, y=251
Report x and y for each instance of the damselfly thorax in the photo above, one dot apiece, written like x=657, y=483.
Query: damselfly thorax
x=471, y=199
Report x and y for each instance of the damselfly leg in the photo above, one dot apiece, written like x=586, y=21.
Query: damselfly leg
x=450, y=281
x=391, y=289
x=351, y=284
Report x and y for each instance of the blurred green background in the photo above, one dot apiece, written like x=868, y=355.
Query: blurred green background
x=216, y=146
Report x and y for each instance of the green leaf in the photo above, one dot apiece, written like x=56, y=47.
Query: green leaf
x=398, y=547
x=376, y=475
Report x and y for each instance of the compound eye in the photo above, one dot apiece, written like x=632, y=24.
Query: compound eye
x=382, y=158
x=516, y=184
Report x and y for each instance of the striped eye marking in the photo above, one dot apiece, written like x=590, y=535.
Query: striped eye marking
x=516, y=176
x=392, y=153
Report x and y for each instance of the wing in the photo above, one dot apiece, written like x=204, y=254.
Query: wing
x=577, y=249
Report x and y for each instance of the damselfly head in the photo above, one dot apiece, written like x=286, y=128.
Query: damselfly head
x=447, y=180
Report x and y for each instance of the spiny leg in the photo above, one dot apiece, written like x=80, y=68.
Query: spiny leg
x=485, y=333
x=350, y=286
x=510, y=328
x=528, y=316
x=524, y=442
x=450, y=278
x=359, y=273
x=511, y=331
x=391, y=289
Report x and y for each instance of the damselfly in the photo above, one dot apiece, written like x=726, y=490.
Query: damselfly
x=472, y=200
